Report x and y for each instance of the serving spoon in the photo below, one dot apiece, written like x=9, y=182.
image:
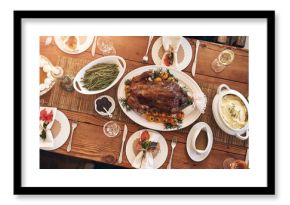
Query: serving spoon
x=109, y=114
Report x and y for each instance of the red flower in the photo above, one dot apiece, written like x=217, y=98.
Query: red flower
x=145, y=136
x=46, y=117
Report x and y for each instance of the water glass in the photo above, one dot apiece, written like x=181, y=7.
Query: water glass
x=106, y=45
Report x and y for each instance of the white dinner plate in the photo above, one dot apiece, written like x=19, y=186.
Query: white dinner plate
x=160, y=157
x=185, y=46
x=63, y=134
x=190, y=113
x=81, y=48
x=195, y=156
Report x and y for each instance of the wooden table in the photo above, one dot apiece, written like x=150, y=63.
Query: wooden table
x=89, y=142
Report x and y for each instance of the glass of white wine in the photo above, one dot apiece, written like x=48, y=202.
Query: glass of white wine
x=225, y=58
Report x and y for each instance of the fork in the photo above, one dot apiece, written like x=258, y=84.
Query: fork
x=173, y=144
x=145, y=58
x=73, y=125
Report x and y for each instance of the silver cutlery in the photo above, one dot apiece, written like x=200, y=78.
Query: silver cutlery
x=73, y=125
x=123, y=140
x=145, y=58
x=94, y=46
x=247, y=158
x=48, y=40
x=195, y=58
x=109, y=114
x=173, y=144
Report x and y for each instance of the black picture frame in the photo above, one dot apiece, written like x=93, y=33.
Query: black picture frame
x=268, y=190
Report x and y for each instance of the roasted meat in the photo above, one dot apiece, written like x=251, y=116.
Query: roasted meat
x=166, y=96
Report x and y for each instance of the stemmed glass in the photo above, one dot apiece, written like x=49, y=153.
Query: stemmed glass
x=225, y=58
x=231, y=163
x=105, y=44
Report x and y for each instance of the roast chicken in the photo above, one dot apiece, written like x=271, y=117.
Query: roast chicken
x=147, y=95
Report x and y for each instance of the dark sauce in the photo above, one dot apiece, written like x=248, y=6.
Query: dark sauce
x=103, y=103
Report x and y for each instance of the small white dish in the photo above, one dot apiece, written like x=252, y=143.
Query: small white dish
x=194, y=153
x=111, y=109
x=187, y=53
x=161, y=156
x=63, y=134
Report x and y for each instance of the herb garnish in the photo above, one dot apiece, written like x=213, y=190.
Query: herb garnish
x=124, y=103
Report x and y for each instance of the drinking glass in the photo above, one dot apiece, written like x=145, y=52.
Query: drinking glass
x=231, y=163
x=225, y=58
x=111, y=129
x=106, y=45
x=66, y=83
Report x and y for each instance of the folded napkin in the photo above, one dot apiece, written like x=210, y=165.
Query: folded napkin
x=200, y=101
x=47, y=117
x=144, y=159
x=171, y=44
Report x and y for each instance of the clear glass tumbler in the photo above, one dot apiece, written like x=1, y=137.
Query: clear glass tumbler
x=105, y=44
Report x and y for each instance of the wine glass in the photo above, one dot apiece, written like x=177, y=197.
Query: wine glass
x=231, y=163
x=111, y=129
x=225, y=58
x=106, y=45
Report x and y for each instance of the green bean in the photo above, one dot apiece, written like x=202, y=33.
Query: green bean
x=100, y=76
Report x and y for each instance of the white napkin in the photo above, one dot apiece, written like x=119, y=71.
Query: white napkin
x=200, y=101
x=145, y=160
x=48, y=142
x=171, y=43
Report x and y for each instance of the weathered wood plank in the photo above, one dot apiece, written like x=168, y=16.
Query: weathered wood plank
x=89, y=142
x=134, y=47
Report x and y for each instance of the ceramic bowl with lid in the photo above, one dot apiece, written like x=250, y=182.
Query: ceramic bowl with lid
x=230, y=110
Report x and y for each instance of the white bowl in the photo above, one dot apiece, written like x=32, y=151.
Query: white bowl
x=202, y=126
x=195, y=154
x=112, y=108
x=216, y=106
x=107, y=59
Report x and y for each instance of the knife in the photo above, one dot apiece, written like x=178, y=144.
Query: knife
x=94, y=46
x=123, y=140
x=195, y=58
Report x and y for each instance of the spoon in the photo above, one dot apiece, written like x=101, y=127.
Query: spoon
x=110, y=115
